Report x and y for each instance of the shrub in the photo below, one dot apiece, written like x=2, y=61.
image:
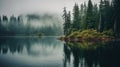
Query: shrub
x=90, y=34
x=109, y=33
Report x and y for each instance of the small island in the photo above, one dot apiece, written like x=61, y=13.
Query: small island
x=92, y=22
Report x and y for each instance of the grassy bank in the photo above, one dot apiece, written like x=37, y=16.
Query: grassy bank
x=89, y=35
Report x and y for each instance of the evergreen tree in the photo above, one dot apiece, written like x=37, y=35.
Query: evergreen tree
x=116, y=17
x=107, y=15
x=89, y=24
x=5, y=19
x=101, y=20
x=95, y=16
x=76, y=18
x=67, y=22
x=82, y=14
x=20, y=25
x=83, y=19
x=0, y=19
x=0, y=24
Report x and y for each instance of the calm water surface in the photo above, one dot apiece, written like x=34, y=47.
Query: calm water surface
x=51, y=52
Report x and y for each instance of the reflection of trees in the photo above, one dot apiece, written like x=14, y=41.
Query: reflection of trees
x=103, y=56
x=17, y=45
x=67, y=53
x=11, y=44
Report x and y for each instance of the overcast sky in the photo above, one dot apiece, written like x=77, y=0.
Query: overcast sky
x=17, y=7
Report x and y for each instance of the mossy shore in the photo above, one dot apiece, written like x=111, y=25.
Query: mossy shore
x=89, y=35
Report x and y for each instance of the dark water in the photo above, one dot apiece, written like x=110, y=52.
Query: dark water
x=50, y=52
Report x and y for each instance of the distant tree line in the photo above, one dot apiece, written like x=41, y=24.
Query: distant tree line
x=102, y=17
x=17, y=26
x=11, y=26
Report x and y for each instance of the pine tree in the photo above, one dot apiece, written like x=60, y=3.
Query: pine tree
x=5, y=19
x=95, y=16
x=101, y=20
x=107, y=15
x=89, y=24
x=83, y=19
x=65, y=19
x=0, y=19
x=0, y=24
x=82, y=13
x=67, y=22
x=76, y=18
x=116, y=17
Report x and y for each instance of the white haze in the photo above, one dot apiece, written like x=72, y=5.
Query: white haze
x=43, y=21
x=17, y=7
x=40, y=7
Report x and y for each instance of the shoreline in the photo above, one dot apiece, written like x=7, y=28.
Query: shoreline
x=80, y=39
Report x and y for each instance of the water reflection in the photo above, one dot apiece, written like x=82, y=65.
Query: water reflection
x=50, y=52
x=19, y=45
x=107, y=55
x=31, y=52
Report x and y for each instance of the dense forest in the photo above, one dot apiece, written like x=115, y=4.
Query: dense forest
x=102, y=17
x=30, y=25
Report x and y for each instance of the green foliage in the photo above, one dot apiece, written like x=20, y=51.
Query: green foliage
x=104, y=19
x=87, y=45
x=83, y=11
x=76, y=17
x=95, y=16
x=89, y=22
x=90, y=34
x=40, y=34
x=67, y=22
x=109, y=33
x=116, y=17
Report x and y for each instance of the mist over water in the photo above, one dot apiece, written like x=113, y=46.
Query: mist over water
x=32, y=24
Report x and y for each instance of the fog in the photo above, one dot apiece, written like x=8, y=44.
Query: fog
x=38, y=16
x=31, y=24
x=17, y=7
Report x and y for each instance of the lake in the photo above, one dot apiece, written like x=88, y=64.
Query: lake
x=51, y=52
